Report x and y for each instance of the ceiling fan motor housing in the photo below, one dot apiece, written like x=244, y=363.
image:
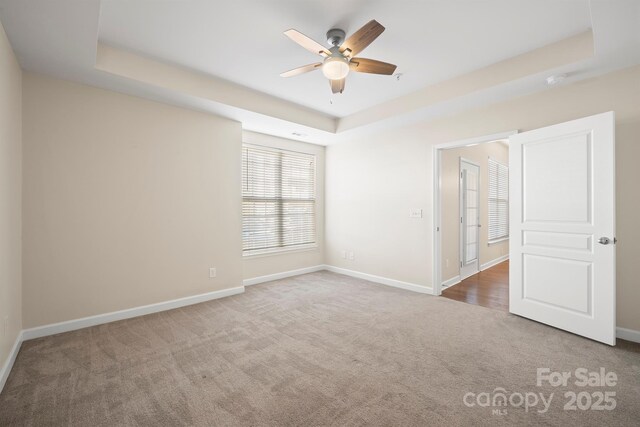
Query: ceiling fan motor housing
x=335, y=36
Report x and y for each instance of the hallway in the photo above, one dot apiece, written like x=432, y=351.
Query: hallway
x=488, y=288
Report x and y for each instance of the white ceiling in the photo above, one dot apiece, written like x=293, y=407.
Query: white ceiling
x=241, y=41
x=430, y=41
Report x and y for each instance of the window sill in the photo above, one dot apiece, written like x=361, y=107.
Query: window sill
x=495, y=242
x=280, y=251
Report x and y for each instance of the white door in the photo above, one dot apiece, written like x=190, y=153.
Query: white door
x=562, y=226
x=469, y=218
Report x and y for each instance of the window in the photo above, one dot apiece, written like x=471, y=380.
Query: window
x=278, y=200
x=498, y=201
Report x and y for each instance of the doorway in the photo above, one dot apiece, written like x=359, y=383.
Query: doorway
x=471, y=218
x=562, y=207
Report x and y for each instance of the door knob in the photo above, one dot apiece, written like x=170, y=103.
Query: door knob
x=604, y=240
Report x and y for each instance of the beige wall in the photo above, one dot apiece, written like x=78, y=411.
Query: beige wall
x=450, y=223
x=372, y=183
x=10, y=198
x=127, y=202
x=262, y=265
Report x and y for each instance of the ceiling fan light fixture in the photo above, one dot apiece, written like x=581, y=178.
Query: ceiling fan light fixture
x=335, y=67
x=342, y=56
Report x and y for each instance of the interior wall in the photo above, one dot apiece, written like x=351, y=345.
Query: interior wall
x=373, y=182
x=266, y=264
x=450, y=206
x=10, y=198
x=127, y=202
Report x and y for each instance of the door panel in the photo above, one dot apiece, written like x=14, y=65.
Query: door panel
x=554, y=240
x=557, y=282
x=562, y=201
x=557, y=169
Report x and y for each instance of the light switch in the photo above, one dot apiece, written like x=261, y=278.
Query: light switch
x=415, y=213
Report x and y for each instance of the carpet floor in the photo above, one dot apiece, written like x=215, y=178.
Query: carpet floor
x=319, y=349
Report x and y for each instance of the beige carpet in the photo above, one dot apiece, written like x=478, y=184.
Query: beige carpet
x=319, y=349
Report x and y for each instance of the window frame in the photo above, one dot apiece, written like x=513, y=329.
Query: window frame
x=256, y=253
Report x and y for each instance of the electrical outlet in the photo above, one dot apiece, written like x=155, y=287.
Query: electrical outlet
x=351, y=256
x=212, y=272
x=344, y=254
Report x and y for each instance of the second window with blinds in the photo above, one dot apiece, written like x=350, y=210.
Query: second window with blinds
x=498, y=201
x=278, y=200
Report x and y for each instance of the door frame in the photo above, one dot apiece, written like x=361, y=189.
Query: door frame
x=437, y=197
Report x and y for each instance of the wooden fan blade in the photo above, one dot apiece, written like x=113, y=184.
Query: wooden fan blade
x=301, y=70
x=362, y=38
x=364, y=65
x=337, y=86
x=307, y=43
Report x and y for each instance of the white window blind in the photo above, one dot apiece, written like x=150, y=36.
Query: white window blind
x=278, y=199
x=498, y=201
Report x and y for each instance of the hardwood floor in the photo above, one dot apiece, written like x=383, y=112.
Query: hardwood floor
x=489, y=288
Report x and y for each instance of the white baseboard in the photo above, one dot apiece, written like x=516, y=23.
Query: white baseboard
x=450, y=282
x=493, y=262
x=72, y=325
x=382, y=280
x=628, y=334
x=8, y=364
x=283, y=275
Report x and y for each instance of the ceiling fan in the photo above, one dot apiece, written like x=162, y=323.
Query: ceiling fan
x=341, y=56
